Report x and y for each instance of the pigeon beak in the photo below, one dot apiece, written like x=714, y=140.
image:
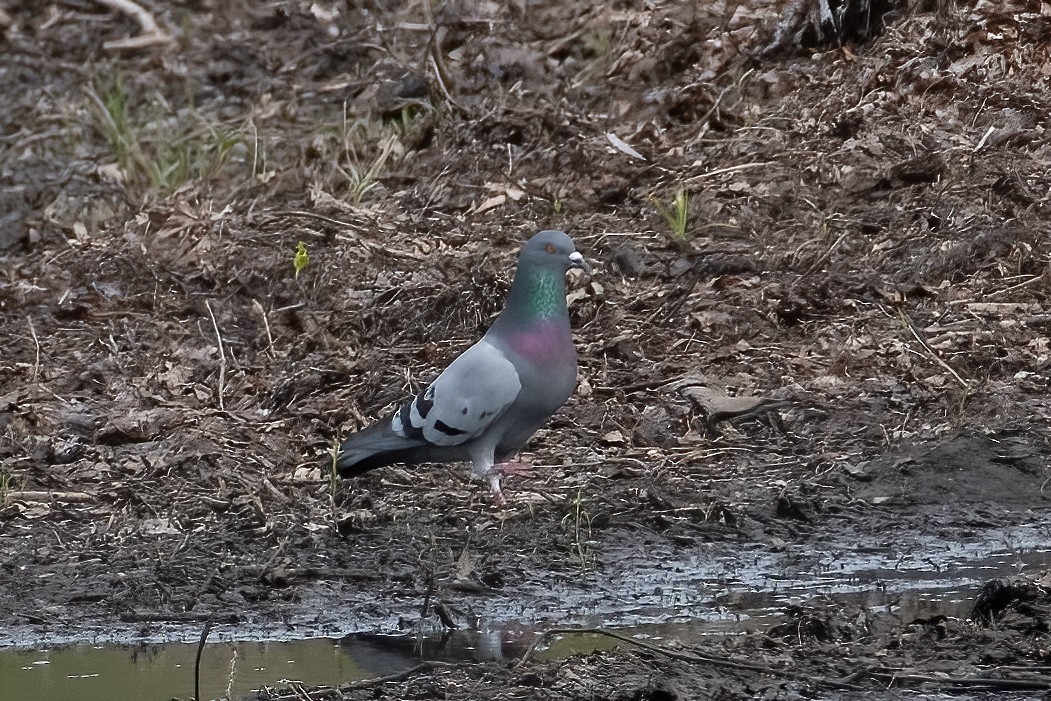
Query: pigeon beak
x=577, y=261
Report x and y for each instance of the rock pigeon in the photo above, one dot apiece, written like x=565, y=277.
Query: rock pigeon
x=496, y=394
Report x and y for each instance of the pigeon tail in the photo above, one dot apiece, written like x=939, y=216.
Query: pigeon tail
x=376, y=446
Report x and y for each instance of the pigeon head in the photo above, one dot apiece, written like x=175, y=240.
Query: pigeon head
x=551, y=249
x=538, y=293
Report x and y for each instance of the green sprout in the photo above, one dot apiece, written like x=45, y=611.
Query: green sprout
x=301, y=259
x=156, y=147
x=677, y=215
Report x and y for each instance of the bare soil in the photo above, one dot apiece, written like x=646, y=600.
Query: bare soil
x=865, y=270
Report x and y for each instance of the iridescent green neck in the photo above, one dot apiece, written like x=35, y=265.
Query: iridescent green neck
x=537, y=294
x=545, y=294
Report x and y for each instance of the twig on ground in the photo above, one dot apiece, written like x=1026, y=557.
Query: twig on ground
x=685, y=657
x=151, y=35
x=434, y=57
x=1012, y=288
x=728, y=169
x=349, y=233
x=36, y=342
x=824, y=258
x=376, y=681
x=30, y=495
x=266, y=325
x=894, y=678
x=716, y=104
x=907, y=322
x=222, y=356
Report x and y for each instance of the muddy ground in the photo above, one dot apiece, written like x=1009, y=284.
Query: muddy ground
x=865, y=248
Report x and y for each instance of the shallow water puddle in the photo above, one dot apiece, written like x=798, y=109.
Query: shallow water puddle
x=711, y=592
x=162, y=672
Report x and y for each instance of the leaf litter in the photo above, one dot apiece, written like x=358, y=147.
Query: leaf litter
x=865, y=250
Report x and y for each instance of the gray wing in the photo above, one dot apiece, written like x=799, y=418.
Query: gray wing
x=475, y=390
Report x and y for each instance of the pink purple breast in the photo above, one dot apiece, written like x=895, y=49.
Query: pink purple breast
x=543, y=341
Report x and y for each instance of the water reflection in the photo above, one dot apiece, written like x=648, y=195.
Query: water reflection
x=699, y=595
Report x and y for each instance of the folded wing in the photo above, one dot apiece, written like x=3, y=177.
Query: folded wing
x=464, y=401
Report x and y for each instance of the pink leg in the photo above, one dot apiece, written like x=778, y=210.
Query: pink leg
x=503, y=469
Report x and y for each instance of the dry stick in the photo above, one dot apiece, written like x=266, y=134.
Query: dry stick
x=152, y=35
x=197, y=662
x=222, y=356
x=686, y=657
x=348, y=235
x=824, y=259
x=441, y=83
x=266, y=325
x=103, y=111
x=309, y=215
x=907, y=321
x=728, y=169
x=893, y=678
x=375, y=681
x=1012, y=288
x=36, y=342
x=703, y=121
x=31, y=495
x=434, y=56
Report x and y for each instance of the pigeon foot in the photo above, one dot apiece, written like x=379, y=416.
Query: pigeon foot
x=503, y=469
x=494, y=484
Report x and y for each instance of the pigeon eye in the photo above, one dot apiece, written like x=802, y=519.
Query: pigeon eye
x=550, y=248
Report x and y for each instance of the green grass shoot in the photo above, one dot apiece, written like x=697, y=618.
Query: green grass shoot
x=678, y=214
x=301, y=259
